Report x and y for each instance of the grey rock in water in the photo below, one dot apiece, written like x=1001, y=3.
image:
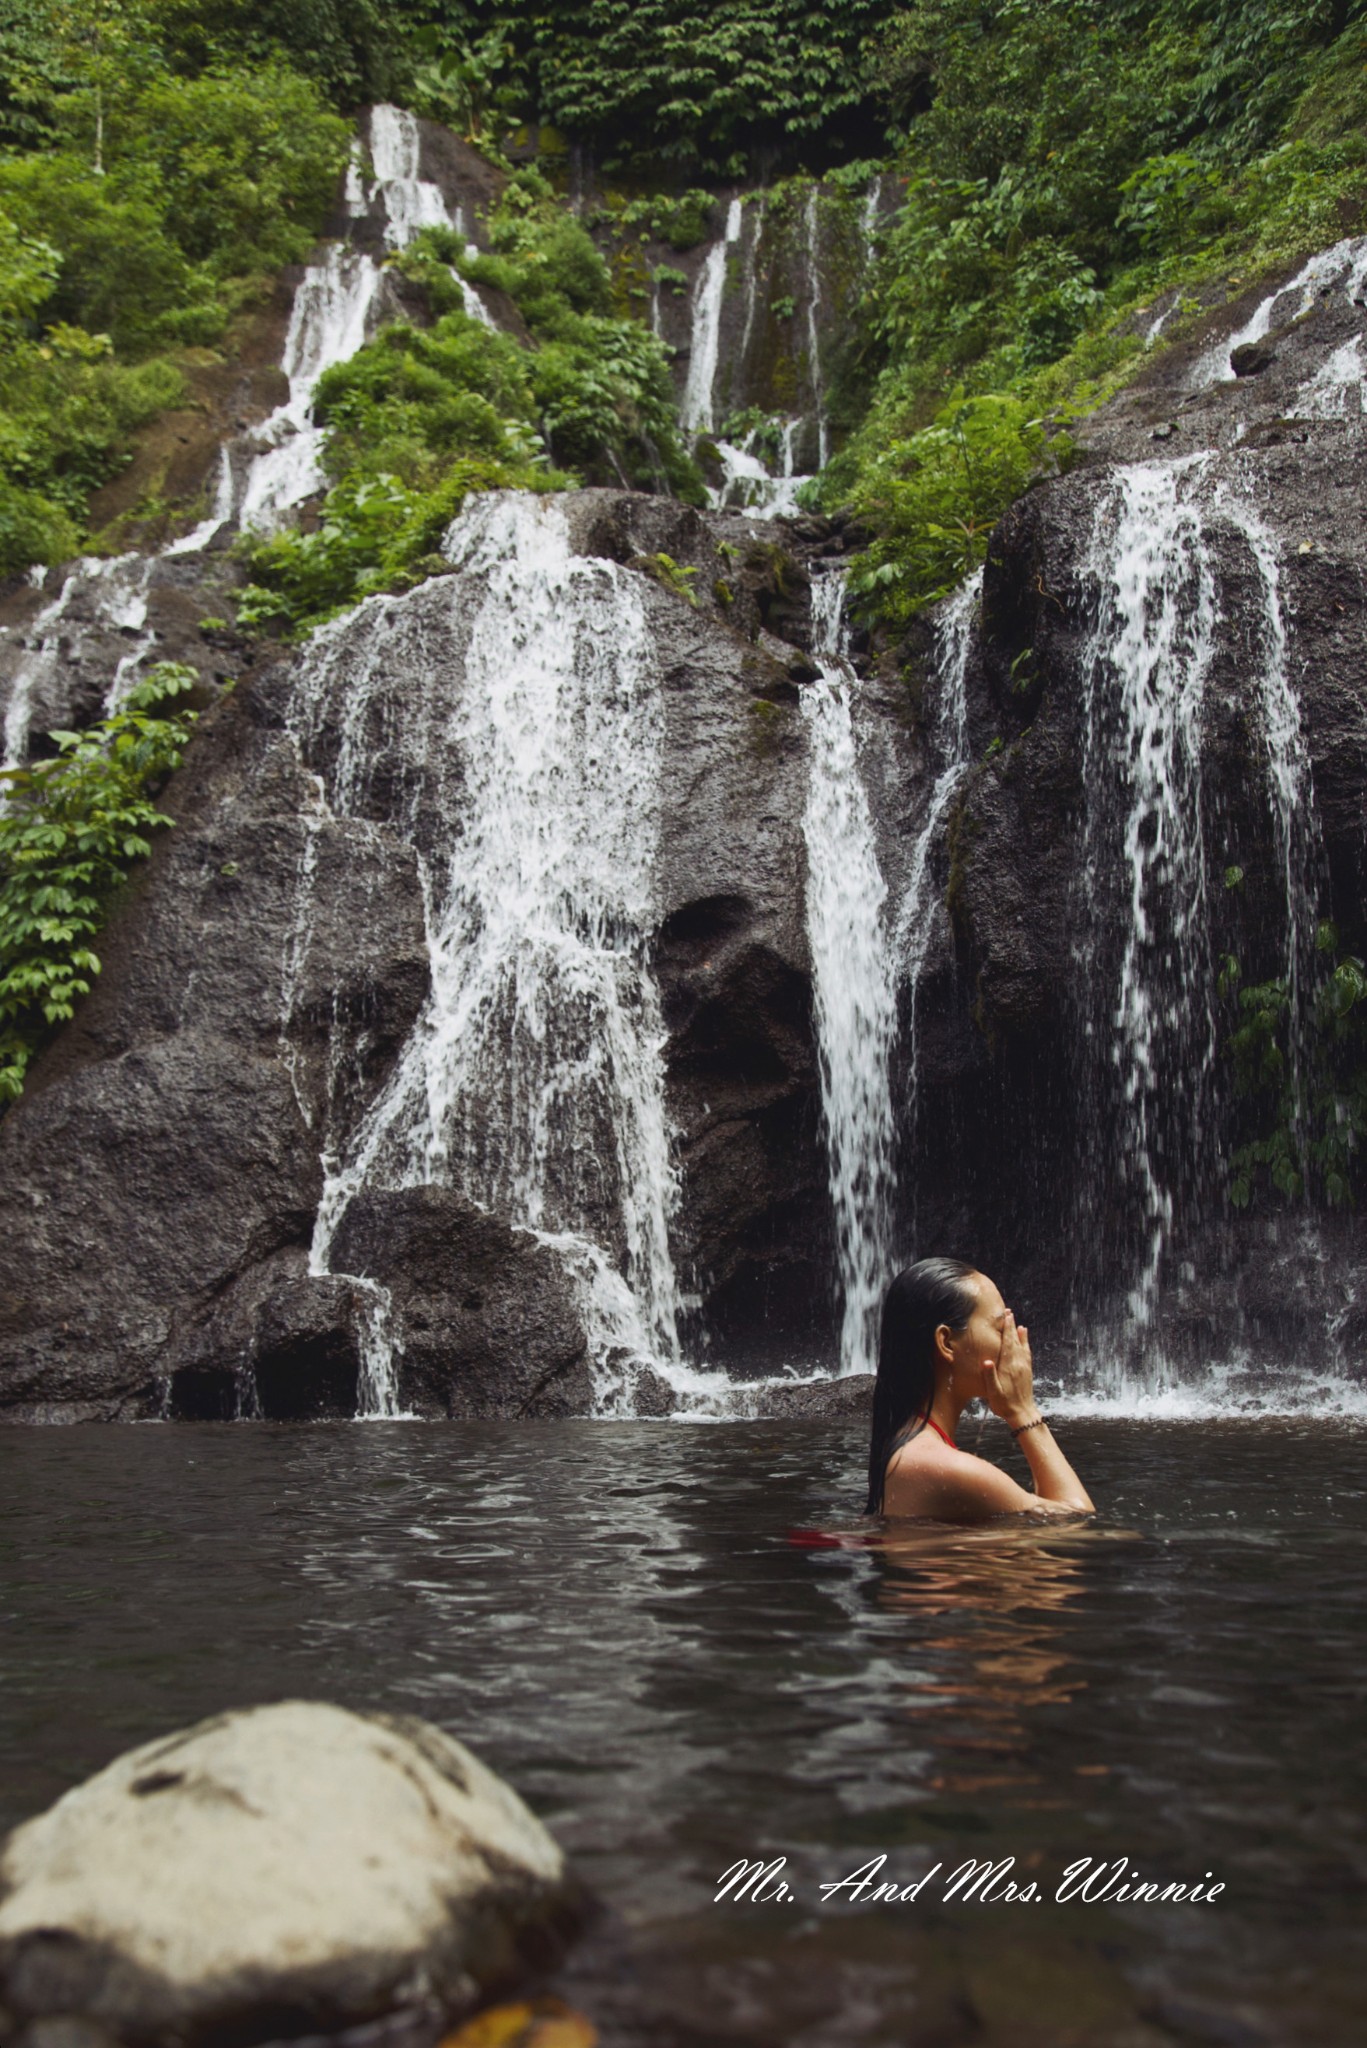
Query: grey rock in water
x=281, y=1870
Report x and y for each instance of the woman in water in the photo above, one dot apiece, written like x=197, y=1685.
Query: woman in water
x=947, y=1339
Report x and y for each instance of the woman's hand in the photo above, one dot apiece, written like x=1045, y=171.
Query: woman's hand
x=1009, y=1380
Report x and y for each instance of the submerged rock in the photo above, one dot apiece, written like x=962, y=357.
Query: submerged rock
x=282, y=1870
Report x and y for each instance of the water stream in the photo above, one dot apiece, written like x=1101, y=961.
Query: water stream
x=1344, y=267
x=853, y=983
x=696, y=406
x=922, y=896
x=265, y=474
x=1144, y=872
x=534, y=1081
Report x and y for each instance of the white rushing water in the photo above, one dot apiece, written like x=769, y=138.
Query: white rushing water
x=270, y=471
x=815, y=310
x=534, y=1082
x=853, y=984
x=1290, y=781
x=1338, y=389
x=696, y=406
x=1344, y=267
x=923, y=901
x=331, y=318
x=1146, y=669
x=99, y=596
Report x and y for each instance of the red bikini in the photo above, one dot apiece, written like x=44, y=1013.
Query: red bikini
x=940, y=1433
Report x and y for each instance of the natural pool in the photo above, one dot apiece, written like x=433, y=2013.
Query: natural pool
x=614, y=1617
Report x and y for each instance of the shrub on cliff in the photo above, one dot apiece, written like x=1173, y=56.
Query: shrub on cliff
x=70, y=829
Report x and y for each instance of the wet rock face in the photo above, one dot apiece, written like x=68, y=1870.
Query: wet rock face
x=289, y=1869
x=489, y=1322
x=160, y=1179
x=1014, y=1096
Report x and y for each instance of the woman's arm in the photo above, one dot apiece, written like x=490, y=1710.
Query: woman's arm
x=1009, y=1391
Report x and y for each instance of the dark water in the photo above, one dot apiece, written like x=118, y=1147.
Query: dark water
x=613, y=1617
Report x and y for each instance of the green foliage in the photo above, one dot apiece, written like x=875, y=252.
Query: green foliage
x=422, y=416
x=1170, y=200
x=690, y=84
x=670, y=575
x=136, y=206
x=1309, y=1112
x=682, y=220
x=376, y=533
x=1064, y=162
x=355, y=50
x=241, y=164
x=933, y=500
x=70, y=829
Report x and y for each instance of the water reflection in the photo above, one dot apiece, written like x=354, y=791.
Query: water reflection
x=989, y=1608
x=612, y=1617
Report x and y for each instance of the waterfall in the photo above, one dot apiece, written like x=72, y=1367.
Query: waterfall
x=97, y=596
x=1151, y=996
x=1345, y=263
x=1337, y=390
x=331, y=318
x=812, y=250
x=705, y=331
x=749, y=485
x=855, y=997
x=1290, y=783
x=922, y=901
x=410, y=201
x=534, y=1081
x=1144, y=866
x=278, y=465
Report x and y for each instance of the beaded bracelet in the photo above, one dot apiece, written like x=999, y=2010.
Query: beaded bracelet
x=1040, y=1422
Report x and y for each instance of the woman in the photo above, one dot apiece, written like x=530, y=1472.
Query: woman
x=947, y=1339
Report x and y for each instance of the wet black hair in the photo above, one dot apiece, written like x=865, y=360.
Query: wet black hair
x=931, y=1292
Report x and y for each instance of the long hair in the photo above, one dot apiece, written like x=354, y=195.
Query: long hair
x=931, y=1292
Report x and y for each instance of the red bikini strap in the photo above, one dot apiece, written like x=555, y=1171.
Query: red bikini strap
x=940, y=1433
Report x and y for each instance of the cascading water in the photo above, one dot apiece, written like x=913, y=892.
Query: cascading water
x=534, y=1081
x=410, y=201
x=921, y=901
x=1344, y=266
x=1290, y=783
x=98, y=596
x=696, y=407
x=332, y=316
x=1155, y=1161
x=812, y=252
x=852, y=973
x=1143, y=873
x=1338, y=389
x=269, y=472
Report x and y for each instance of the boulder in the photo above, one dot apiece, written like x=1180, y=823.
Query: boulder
x=491, y=1327
x=281, y=1870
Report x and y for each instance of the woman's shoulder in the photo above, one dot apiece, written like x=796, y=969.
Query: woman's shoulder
x=940, y=1480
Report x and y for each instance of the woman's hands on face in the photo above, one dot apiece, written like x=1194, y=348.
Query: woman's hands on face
x=1009, y=1379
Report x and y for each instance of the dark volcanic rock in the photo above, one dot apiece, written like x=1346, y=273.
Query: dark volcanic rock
x=165, y=1147
x=1017, y=1117
x=489, y=1319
